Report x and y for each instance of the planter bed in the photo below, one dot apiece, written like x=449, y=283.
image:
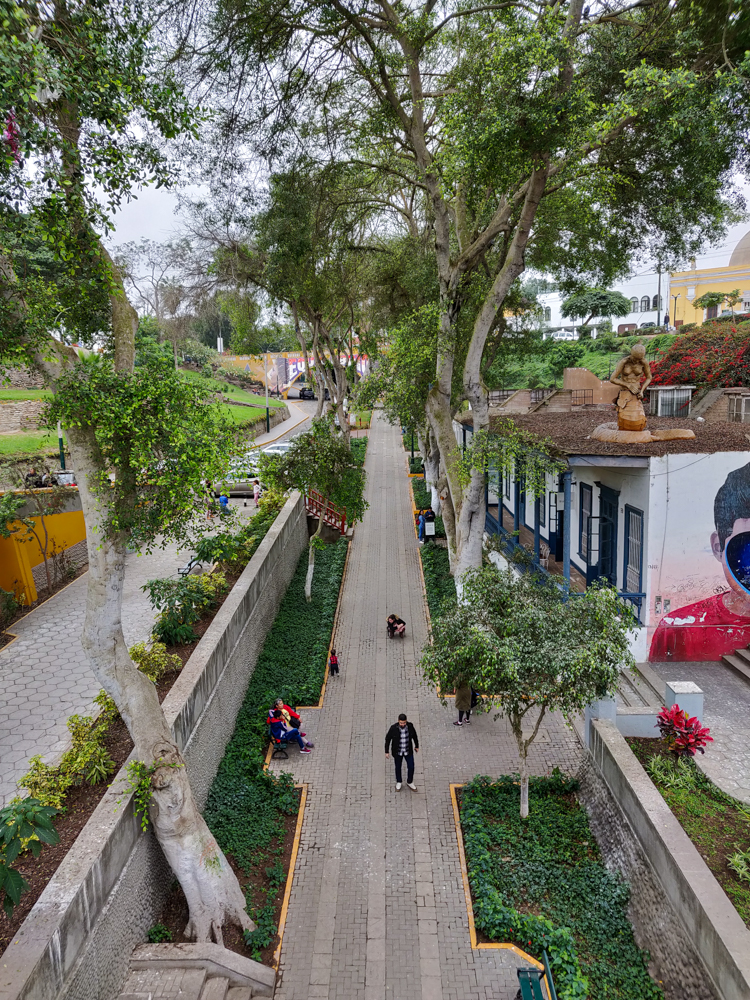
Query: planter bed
x=422, y=501
x=250, y=811
x=82, y=800
x=541, y=884
x=438, y=582
x=716, y=823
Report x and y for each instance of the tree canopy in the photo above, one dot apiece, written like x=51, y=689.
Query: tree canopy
x=590, y=302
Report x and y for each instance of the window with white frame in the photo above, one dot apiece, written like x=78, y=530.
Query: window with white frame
x=645, y=304
x=738, y=409
x=671, y=402
x=634, y=305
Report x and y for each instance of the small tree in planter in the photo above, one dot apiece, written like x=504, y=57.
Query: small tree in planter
x=322, y=461
x=527, y=650
x=683, y=734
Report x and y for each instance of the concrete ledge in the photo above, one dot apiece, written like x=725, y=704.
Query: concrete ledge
x=637, y=722
x=77, y=940
x=215, y=959
x=720, y=938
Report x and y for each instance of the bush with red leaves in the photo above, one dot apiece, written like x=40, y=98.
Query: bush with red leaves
x=683, y=735
x=715, y=355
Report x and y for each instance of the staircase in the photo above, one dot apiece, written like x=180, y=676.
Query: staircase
x=640, y=688
x=739, y=662
x=194, y=972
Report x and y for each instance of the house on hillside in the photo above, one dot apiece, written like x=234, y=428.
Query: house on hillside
x=666, y=523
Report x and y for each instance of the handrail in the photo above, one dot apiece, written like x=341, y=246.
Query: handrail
x=317, y=504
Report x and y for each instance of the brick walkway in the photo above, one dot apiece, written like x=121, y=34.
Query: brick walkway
x=377, y=907
x=44, y=674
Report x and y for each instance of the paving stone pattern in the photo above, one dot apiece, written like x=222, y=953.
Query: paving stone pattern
x=45, y=676
x=377, y=908
x=726, y=708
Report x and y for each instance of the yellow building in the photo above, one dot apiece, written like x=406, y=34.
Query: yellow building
x=686, y=286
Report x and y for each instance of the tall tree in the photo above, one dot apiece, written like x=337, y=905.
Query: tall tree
x=539, y=134
x=590, y=302
x=85, y=95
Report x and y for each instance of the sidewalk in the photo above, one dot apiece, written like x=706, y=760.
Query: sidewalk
x=44, y=674
x=377, y=908
x=297, y=416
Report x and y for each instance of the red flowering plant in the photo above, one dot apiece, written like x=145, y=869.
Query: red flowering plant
x=715, y=355
x=683, y=734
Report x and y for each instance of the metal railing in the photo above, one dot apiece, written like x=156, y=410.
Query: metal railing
x=537, y=395
x=315, y=503
x=498, y=396
x=581, y=397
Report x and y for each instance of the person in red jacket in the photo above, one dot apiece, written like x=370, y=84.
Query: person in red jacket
x=719, y=624
x=292, y=718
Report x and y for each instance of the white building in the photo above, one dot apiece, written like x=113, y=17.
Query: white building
x=641, y=289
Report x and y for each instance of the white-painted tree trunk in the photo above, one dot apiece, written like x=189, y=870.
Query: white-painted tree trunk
x=311, y=558
x=211, y=888
x=516, y=718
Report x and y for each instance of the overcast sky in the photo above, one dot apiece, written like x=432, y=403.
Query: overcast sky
x=152, y=216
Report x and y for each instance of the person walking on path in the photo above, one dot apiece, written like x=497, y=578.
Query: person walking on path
x=256, y=491
x=402, y=741
x=463, y=703
x=333, y=663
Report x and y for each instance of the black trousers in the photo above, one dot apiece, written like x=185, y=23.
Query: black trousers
x=398, y=760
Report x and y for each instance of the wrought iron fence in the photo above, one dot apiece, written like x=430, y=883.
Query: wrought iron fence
x=582, y=397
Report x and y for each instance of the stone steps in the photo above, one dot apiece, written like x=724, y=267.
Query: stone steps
x=194, y=972
x=640, y=688
x=739, y=663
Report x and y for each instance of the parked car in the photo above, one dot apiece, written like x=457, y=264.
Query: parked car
x=281, y=448
x=306, y=392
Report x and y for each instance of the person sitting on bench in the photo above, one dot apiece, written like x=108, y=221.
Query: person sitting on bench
x=396, y=626
x=291, y=718
x=280, y=731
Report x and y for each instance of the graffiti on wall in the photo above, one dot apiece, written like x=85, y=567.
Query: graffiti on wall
x=701, y=584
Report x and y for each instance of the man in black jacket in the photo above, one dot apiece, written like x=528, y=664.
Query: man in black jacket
x=402, y=741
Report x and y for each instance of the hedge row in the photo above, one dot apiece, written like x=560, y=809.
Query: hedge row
x=551, y=862
x=246, y=805
x=438, y=581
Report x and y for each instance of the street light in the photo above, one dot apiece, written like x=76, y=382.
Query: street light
x=265, y=373
x=674, y=311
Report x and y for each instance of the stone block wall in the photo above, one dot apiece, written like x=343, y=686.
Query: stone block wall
x=22, y=416
x=77, y=940
x=21, y=378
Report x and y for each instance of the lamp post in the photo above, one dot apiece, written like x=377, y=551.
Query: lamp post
x=60, y=443
x=265, y=374
x=674, y=311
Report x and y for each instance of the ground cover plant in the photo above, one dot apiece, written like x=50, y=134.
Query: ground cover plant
x=248, y=808
x=438, y=582
x=717, y=824
x=541, y=883
x=358, y=446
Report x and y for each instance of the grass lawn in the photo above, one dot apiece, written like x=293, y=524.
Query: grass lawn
x=234, y=393
x=16, y=395
x=13, y=444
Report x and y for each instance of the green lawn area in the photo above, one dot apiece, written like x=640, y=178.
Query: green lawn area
x=16, y=395
x=13, y=444
x=234, y=393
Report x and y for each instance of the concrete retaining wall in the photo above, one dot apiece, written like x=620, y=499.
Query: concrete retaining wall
x=77, y=940
x=22, y=416
x=700, y=945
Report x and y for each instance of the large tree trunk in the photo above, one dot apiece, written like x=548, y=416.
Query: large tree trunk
x=311, y=557
x=211, y=888
x=516, y=724
x=431, y=461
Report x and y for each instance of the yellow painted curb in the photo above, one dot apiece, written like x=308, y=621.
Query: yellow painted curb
x=467, y=893
x=290, y=875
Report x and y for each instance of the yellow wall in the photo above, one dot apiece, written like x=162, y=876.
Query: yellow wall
x=690, y=285
x=18, y=557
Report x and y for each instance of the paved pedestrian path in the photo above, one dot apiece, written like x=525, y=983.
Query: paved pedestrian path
x=45, y=676
x=377, y=907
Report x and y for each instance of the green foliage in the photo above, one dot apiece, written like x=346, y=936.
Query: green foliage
x=589, y=302
x=87, y=759
x=24, y=823
x=739, y=862
x=520, y=643
x=511, y=447
x=162, y=434
x=320, y=460
x=541, y=884
x=158, y=934
x=182, y=602
x=358, y=447
x=153, y=660
x=415, y=465
x=233, y=550
x=291, y=666
x=8, y=607
x=139, y=783
x=439, y=584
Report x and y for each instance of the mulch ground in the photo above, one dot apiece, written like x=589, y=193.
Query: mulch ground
x=715, y=825
x=255, y=885
x=82, y=800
